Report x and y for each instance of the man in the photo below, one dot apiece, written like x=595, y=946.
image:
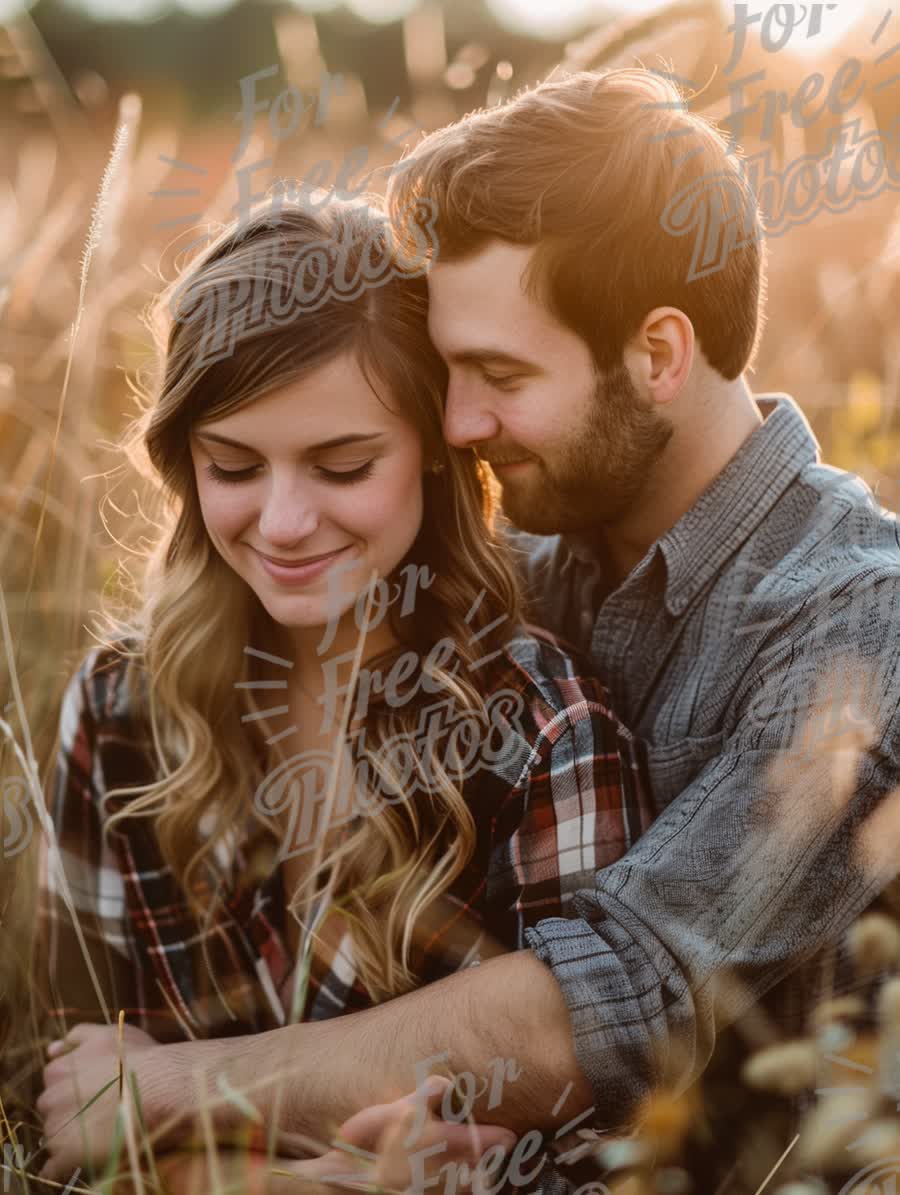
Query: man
x=740, y=600
x=736, y=596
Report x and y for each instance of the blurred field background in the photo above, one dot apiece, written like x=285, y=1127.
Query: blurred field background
x=86, y=242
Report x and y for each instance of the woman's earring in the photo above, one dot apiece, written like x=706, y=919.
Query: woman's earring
x=436, y=467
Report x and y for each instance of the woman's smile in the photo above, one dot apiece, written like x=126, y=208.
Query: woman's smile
x=305, y=570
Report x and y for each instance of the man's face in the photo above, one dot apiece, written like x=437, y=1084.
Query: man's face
x=572, y=449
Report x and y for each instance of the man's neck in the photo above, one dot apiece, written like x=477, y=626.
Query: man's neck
x=721, y=420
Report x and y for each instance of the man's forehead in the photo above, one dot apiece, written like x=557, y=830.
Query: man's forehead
x=470, y=320
x=499, y=265
x=481, y=302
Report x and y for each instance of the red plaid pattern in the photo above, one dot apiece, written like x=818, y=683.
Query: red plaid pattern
x=570, y=800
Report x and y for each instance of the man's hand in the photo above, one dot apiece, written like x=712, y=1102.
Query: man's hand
x=85, y=1065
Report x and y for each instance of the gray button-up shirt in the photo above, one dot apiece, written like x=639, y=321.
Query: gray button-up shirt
x=755, y=649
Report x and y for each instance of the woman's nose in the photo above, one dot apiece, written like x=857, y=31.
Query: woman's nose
x=290, y=514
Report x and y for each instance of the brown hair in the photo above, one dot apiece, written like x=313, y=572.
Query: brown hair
x=388, y=869
x=583, y=167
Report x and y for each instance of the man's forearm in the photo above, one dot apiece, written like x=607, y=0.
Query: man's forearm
x=509, y=1008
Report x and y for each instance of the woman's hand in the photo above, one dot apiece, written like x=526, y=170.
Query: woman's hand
x=81, y=1065
x=396, y=1132
x=383, y=1130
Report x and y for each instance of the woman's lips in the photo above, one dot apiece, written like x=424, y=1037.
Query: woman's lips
x=299, y=574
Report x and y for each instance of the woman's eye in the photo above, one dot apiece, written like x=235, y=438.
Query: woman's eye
x=348, y=476
x=338, y=476
x=229, y=476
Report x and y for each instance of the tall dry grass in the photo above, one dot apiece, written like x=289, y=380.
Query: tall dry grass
x=80, y=257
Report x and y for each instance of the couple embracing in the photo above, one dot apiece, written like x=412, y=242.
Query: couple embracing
x=688, y=617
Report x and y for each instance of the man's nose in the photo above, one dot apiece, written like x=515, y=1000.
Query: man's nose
x=468, y=419
x=290, y=513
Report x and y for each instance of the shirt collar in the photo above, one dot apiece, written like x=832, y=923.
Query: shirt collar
x=734, y=504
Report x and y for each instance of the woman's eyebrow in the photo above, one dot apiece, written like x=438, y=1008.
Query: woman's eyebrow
x=335, y=442
x=340, y=441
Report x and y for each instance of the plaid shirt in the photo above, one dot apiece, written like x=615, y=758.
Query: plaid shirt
x=569, y=799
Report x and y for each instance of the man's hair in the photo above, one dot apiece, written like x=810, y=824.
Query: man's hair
x=583, y=167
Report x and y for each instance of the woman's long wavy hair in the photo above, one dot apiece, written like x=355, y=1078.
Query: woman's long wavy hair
x=195, y=615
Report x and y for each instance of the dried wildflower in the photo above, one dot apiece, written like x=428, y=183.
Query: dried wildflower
x=634, y=1184
x=833, y=1125
x=624, y=1154
x=889, y=1004
x=889, y=1043
x=855, y=1066
x=834, y=1038
x=841, y=1008
x=788, y=1068
x=874, y=942
x=875, y=1141
x=665, y=1120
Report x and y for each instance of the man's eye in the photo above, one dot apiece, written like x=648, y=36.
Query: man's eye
x=501, y=381
x=229, y=476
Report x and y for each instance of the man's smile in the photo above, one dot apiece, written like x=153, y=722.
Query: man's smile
x=511, y=467
x=507, y=464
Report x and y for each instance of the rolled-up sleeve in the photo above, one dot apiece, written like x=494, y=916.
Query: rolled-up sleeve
x=779, y=842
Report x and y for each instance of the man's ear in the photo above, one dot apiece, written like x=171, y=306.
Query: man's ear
x=661, y=354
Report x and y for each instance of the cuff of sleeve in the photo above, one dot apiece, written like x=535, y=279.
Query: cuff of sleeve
x=612, y=1045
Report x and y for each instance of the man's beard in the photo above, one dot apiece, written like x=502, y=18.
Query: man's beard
x=595, y=477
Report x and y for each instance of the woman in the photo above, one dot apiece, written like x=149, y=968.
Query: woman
x=397, y=811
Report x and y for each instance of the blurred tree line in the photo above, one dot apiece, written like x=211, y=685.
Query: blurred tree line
x=202, y=57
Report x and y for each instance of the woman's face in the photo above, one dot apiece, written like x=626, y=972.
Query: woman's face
x=319, y=473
